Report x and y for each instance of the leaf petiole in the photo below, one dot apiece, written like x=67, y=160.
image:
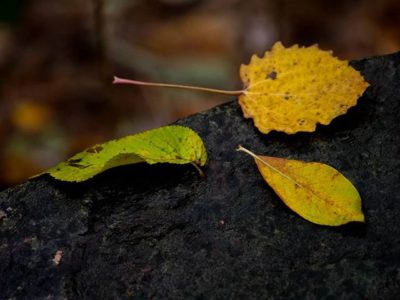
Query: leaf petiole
x=240, y=148
x=201, y=173
x=118, y=80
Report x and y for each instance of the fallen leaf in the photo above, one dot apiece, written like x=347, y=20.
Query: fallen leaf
x=315, y=191
x=290, y=89
x=293, y=89
x=170, y=144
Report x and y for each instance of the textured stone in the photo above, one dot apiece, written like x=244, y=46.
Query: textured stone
x=152, y=232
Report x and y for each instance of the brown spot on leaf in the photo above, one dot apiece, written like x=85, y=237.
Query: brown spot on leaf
x=335, y=175
x=272, y=75
x=77, y=165
x=74, y=161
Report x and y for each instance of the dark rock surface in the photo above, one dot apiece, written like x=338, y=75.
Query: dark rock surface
x=156, y=232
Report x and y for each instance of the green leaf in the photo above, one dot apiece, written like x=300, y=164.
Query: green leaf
x=170, y=144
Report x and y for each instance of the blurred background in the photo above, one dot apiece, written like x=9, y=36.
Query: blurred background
x=57, y=59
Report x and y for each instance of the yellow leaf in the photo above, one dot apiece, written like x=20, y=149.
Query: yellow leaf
x=317, y=192
x=293, y=89
x=169, y=144
x=290, y=89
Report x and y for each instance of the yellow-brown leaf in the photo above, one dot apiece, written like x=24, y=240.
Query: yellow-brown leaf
x=317, y=192
x=293, y=89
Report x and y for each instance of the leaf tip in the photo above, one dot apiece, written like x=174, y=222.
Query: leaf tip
x=37, y=175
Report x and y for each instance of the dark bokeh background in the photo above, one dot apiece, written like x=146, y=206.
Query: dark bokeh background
x=57, y=59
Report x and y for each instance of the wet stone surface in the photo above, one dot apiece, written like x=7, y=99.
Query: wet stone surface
x=156, y=232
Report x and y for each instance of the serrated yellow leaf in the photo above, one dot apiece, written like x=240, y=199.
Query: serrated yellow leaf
x=315, y=191
x=170, y=144
x=293, y=89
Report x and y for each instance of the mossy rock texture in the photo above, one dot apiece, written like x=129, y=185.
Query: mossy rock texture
x=164, y=232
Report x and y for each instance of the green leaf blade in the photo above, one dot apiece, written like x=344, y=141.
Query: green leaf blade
x=170, y=144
